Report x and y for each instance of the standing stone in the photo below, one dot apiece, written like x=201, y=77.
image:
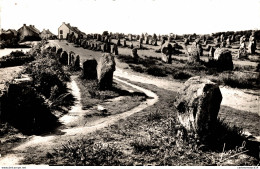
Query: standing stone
x=242, y=53
x=233, y=38
x=223, y=44
x=64, y=58
x=146, y=40
x=131, y=45
x=90, y=69
x=155, y=42
x=205, y=42
x=186, y=41
x=53, y=49
x=216, y=40
x=138, y=37
x=242, y=39
x=76, y=63
x=124, y=43
x=118, y=42
x=221, y=38
x=140, y=45
x=189, y=38
x=211, y=53
x=198, y=104
x=71, y=54
x=150, y=41
x=193, y=53
x=105, y=69
x=228, y=41
x=200, y=49
x=115, y=49
x=108, y=48
x=98, y=37
x=252, y=44
x=223, y=58
x=141, y=40
x=59, y=51
x=163, y=42
x=135, y=55
x=83, y=42
x=130, y=37
x=167, y=52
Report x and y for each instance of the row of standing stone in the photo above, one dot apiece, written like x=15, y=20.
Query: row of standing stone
x=102, y=71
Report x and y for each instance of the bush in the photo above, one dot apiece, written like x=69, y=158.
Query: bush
x=17, y=53
x=46, y=74
x=15, y=58
x=156, y=71
x=182, y=75
x=137, y=68
x=27, y=111
x=238, y=79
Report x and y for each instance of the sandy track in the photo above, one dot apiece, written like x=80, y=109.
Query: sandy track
x=42, y=144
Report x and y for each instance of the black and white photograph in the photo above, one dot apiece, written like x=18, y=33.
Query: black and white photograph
x=129, y=83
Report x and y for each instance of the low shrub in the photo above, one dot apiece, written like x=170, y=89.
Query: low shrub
x=137, y=68
x=238, y=79
x=156, y=71
x=87, y=153
x=182, y=75
x=17, y=53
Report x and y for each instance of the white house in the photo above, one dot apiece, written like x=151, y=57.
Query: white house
x=65, y=29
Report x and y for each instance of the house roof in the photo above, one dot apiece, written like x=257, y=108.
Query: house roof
x=34, y=29
x=13, y=31
x=75, y=29
x=30, y=27
x=47, y=31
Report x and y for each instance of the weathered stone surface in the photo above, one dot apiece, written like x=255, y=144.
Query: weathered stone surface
x=242, y=39
x=124, y=43
x=193, y=53
x=106, y=47
x=252, y=45
x=242, y=53
x=105, y=69
x=166, y=51
x=141, y=40
x=118, y=42
x=59, y=51
x=135, y=55
x=223, y=44
x=197, y=104
x=146, y=40
x=131, y=45
x=76, y=62
x=64, y=58
x=205, y=42
x=200, y=49
x=115, y=49
x=71, y=55
x=53, y=49
x=223, y=59
x=154, y=42
x=211, y=53
x=89, y=69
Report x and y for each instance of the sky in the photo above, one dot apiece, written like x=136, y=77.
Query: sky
x=133, y=16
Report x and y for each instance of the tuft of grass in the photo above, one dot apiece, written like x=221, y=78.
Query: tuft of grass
x=86, y=153
x=153, y=116
x=143, y=145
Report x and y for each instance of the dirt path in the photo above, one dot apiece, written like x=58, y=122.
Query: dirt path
x=43, y=144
